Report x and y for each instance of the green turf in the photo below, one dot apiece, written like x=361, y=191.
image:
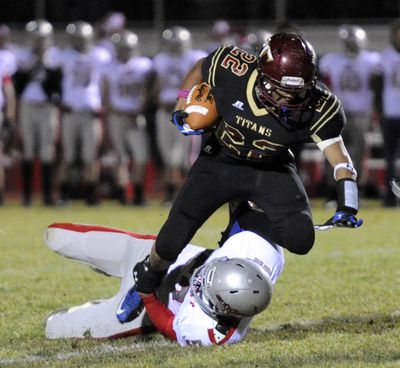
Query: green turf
x=339, y=306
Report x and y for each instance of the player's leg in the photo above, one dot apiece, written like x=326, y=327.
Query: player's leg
x=28, y=124
x=97, y=319
x=282, y=196
x=117, y=136
x=2, y=168
x=91, y=137
x=137, y=141
x=109, y=250
x=69, y=137
x=47, y=136
x=209, y=185
x=2, y=173
x=390, y=135
x=166, y=138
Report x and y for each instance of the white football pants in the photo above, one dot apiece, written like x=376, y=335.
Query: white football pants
x=111, y=251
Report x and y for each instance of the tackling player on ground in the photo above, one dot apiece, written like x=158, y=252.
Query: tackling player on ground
x=208, y=297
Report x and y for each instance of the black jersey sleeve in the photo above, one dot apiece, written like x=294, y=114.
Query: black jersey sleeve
x=330, y=119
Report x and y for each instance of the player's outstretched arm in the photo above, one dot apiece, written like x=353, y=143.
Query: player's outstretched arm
x=346, y=186
x=160, y=316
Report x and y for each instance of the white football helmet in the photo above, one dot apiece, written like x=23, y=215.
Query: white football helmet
x=354, y=39
x=40, y=33
x=177, y=39
x=80, y=35
x=232, y=287
x=126, y=45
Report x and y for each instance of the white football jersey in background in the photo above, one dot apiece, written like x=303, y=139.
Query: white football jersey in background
x=26, y=60
x=389, y=64
x=171, y=69
x=350, y=78
x=128, y=83
x=82, y=76
x=8, y=67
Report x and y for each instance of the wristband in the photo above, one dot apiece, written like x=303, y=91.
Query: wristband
x=347, y=192
x=183, y=93
x=347, y=166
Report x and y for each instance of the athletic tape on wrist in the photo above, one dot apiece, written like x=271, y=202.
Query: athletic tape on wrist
x=347, y=192
x=183, y=93
x=347, y=166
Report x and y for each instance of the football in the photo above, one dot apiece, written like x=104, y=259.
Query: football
x=200, y=106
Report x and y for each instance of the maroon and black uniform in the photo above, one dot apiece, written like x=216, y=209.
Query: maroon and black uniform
x=247, y=157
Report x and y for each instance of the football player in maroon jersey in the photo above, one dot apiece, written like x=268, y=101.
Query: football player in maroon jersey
x=266, y=102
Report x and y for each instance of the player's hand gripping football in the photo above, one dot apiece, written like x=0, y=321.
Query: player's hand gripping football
x=179, y=120
x=340, y=219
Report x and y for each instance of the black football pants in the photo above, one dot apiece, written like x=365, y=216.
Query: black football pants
x=219, y=179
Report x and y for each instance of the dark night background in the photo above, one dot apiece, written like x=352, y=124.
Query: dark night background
x=20, y=11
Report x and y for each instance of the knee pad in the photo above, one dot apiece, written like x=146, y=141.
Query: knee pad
x=299, y=234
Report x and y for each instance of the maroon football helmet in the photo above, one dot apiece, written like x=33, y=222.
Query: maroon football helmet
x=286, y=72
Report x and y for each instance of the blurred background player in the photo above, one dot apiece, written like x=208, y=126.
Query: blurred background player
x=171, y=65
x=348, y=75
x=221, y=34
x=255, y=39
x=38, y=86
x=81, y=103
x=7, y=54
x=113, y=22
x=7, y=101
x=127, y=83
x=387, y=96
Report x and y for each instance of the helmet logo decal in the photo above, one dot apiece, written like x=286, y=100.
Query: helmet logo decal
x=267, y=51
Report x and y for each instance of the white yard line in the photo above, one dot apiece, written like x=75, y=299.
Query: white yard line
x=93, y=352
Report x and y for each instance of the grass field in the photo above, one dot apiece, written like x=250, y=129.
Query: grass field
x=339, y=306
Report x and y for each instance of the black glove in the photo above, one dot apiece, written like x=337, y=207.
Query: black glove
x=146, y=279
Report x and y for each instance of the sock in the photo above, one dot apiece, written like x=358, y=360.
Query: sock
x=47, y=183
x=27, y=174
